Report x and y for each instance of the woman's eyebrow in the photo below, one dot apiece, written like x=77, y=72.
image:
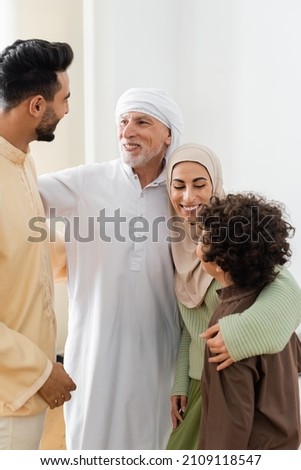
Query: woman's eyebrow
x=199, y=178
x=194, y=180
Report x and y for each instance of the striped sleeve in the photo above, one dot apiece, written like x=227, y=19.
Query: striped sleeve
x=181, y=382
x=267, y=325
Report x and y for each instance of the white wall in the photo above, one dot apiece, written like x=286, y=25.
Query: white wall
x=233, y=67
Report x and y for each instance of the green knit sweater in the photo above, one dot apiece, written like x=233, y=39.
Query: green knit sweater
x=264, y=328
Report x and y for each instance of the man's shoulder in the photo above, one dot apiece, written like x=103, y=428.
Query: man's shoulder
x=105, y=167
x=85, y=173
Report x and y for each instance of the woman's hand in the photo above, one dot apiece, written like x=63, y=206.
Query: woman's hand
x=178, y=406
x=215, y=342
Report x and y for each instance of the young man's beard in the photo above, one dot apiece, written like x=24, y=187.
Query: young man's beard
x=47, y=126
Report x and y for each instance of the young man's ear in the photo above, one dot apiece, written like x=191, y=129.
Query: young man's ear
x=37, y=105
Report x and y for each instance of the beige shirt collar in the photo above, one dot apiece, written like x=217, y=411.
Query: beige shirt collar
x=11, y=153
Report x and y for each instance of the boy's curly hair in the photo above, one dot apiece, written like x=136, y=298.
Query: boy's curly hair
x=246, y=236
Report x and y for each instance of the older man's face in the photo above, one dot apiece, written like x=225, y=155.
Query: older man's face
x=143, y=140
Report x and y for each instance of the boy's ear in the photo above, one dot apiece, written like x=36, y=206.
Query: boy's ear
x=218, y=269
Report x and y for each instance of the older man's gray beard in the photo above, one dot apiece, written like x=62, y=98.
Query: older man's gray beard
x=138, y=162
x=143, y=159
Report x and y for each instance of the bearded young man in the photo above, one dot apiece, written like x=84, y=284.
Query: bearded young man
x=34, y=92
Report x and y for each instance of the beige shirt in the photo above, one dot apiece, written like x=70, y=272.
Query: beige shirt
x=27, y=321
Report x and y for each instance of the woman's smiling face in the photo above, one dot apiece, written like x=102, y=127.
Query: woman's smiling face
x=190, y=187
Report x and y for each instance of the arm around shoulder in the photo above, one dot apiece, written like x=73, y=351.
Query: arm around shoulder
x=265, y=327
x=60, y=191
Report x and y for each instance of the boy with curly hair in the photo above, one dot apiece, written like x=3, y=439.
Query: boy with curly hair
x=254, y=404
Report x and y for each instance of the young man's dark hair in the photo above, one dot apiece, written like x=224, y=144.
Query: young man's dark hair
x=246, y=236
x=28, y=67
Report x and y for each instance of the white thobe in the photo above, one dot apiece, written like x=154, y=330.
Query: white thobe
x=123, y=328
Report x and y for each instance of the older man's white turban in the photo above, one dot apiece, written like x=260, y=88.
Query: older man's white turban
x=155, y=103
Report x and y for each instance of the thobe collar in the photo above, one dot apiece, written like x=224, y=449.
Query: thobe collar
x=161, y=179
x=12, y=153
